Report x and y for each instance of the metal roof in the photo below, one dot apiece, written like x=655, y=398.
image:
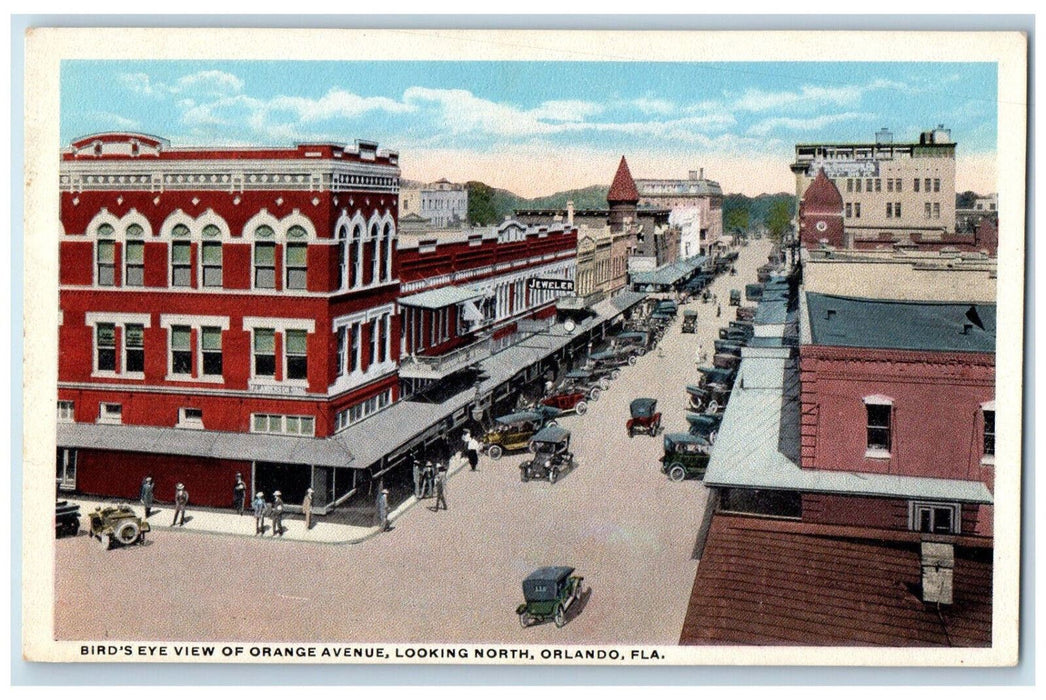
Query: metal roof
x=758, y=445
x=441, y=298
x=206, y=443
x=902, y=325
x=551, y=433
x=669, y=273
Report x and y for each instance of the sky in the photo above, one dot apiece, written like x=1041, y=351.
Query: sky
x=535, y=128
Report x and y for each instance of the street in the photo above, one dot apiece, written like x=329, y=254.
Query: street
x=447, y=576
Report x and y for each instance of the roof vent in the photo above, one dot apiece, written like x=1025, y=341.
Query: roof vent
x=938, y=567
x=829, y=314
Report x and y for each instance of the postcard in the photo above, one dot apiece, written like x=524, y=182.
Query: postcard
x=523, y=347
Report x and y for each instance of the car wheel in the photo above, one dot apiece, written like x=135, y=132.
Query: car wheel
x=676, y=472
x=552, y=422
x=495, y=452
x=128, y=532
x=523, y=475
x=594, y=393
x=631, y=360
x=604, y=384
x=615, y=373
x=524, y=620
x=641, y=351
x=713, y=407
x=561, y=616
x=581, y=408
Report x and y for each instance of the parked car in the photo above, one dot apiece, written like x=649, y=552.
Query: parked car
x=587, y=381
x=552, y=455
x=704, y=425
x=645, y=417
x=716, y=375
x=667, y=306
x=710, y=397
x=689, y=322
x=66, y=519
x=731, y=347
x=637, y=341
x=549, y=592
x=725, y=360
x=685, y=456
x=746, y=313
x=513, y=431
x=613, y=357
x=117, y=525
x=567, y=399
x=735, y=297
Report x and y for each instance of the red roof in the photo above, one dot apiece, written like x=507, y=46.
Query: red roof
x=623, y=189
x=822, y=197
x=756, y=585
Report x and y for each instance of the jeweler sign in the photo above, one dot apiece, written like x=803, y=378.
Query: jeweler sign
x=552, y=285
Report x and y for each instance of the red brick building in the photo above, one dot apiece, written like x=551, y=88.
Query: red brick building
x=223, y=310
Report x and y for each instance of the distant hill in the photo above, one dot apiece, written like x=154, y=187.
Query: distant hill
x=741, y=211
x=490, y=205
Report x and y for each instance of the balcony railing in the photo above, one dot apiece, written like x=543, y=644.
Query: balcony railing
x=439, y=366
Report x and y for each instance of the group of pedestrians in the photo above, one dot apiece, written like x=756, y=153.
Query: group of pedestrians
x=147, y=495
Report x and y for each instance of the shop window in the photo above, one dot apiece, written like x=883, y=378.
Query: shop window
x=181, y=350
x=211, y=347
x=134, y=348
x=264, y=352
x=105, y=347
x=297, y=359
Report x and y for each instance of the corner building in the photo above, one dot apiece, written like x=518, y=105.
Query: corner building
x=222, y=311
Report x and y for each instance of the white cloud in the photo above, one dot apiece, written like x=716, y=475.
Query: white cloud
x=566, y=110
x=115, y=120
x=651, y=105
x=804, y=124
x=811, y=96
x=141, y=84
x=337, y=103
x=213, y=83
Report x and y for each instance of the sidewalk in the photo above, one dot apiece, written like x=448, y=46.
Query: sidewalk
x=222, y=521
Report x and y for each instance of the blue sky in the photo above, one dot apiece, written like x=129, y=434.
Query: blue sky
x=537, y=127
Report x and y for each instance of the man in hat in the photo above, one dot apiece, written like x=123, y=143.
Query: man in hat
x=383, y=509
x=306, y=508
x=441, y=487
x=416, y=468
x=258, y=504
x=277, y=513
x=146, y=495
x=181, y=499
x=471, y=449
x=239, y=494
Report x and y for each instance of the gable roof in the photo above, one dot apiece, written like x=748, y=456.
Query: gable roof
x=623, y=188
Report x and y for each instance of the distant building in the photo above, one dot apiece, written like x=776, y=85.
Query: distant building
x=983, y=209
x=442, y=204
x=696, y=205
x=892, y=193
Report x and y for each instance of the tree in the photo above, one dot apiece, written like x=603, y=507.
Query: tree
x=481, y=211
x=965, y=200
x=779, y=218
x=736, y=220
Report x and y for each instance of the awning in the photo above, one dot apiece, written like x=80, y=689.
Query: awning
x=441, y=298
x=470, y=312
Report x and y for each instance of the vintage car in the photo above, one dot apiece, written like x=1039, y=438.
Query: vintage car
x=66, y=519
x=667, y=306
x=705, y=425
x=689, y=322
x=710, y=397
x=566, y=399
x=513, y=431
x=685, y=456
x=549, y=592
x=746, y=313
x=587, y=381
x=638, y=341
x=732, y=347
x=725, y=360
x=613, y=357
x=117, y=525
x=645, y=417
x=735, y=297
x=736, y=334
x=753, y=292
x=552, y=455
x=716, y=375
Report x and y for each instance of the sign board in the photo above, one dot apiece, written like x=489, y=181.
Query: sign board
x=552, y=285
x=844, y=168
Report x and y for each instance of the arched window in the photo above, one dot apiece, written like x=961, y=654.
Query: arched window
x=296, y=258
x=134, y=256
x=343, y=272
x=387, y=275
x=105, y=256
x=264, y=258
x=211, y=256
x=375, y=262
x=356, y=249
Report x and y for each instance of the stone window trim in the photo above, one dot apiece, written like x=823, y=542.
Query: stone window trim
x=929, y=511
x=279, y=326
x=879, y=432
x=988, y=458
x=195, y=324
x=119, y=320
x=110, y=413
x=190, y=418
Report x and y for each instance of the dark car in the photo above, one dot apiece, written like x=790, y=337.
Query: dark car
x=117, y=525
x=689, y=322
x=710, y=397
x=685, y=456
x=735, y=297
x=613, y=357
x=753, y=292
x=549, y=592
x=552, y=455
x=584, y=380
x=66, y=519
x=704, y=425
x=514, y=431
x=745, y=313
x=636, y=341
x=645, y=417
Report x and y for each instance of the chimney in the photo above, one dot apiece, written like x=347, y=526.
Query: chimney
x=700, y=173
x=570, y=212
x=938, y=565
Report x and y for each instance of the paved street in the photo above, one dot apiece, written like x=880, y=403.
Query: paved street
x=451, y=576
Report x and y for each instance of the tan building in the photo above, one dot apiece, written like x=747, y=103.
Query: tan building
x=696, y=205
x=440, y=204
x=890, y=190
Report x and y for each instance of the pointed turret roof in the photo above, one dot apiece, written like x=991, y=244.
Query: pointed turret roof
x=822, y=196
x=623, y=189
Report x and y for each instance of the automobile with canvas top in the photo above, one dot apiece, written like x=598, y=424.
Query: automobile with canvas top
x=552, y=455
x=117, y=525
x=548, y=593
x=513, y=431
x=686, y=456
x=645, y=418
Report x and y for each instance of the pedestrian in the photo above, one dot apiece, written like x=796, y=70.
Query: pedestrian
x=258, y=504
x=441, y=487
x=239, y=494
x=146, y=495
x=306, y=508
x=471, y=449
x=699, y=355
x=277, y=513
x=181, y=499
x=417, y=477
x=427, y=476
x=718, y=310
x=383, y=509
